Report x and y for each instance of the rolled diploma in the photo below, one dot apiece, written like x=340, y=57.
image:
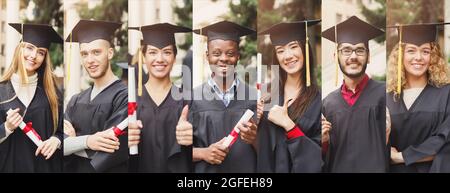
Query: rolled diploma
x=33, y=136
x=231, y=138
x=132, y=99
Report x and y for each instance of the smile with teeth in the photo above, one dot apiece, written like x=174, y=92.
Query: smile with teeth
x=291, y=63
x=417, y=65
x=159, y=66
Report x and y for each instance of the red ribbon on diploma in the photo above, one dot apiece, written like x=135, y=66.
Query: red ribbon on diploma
x=132, y=106
x=235, y=136
x=29, y=127
x=118, y=132
x=258, y=86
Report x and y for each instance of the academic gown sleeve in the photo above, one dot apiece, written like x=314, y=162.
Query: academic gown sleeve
x=305, y=151
x=433, y=144
x=102, y=161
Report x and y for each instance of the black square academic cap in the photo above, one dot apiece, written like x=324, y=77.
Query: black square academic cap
x=283, y=33
x=89, y=30
x=160, y=35
x=224, y=30
x=418, y=34
x=40, y=35
x=353, y=31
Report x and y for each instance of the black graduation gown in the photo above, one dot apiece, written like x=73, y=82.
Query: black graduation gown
x=159, y=151
x=422, y=130
x=212, y=121
x=106, y=110
x=299, y=155
x=17, y=151
x=358, y=134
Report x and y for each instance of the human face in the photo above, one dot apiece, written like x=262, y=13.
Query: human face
x=416, y=59
x=222, y=57
x=290, y=57
x=355, y=64
x=95, y=57
x=159, y=61
x=33, y=57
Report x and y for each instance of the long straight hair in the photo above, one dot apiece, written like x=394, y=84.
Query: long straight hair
x=306, y=94
x=45, y=74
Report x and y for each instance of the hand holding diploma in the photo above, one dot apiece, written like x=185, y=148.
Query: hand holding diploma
x=215, y=153
x=231, y=138
x=14, y=120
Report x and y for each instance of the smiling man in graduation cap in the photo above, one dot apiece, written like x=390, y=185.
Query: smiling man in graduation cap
x=94, y=112
x=418, y=101
x=220, y=102
x=354, y=115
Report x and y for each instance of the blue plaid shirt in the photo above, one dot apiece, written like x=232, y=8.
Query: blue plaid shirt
x=226, y=96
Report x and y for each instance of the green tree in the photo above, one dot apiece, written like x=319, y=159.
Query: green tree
x=185, y=19
x=376, y=17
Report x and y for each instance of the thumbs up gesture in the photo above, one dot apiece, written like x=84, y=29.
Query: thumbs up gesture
x=184, y=128
x=279, y=116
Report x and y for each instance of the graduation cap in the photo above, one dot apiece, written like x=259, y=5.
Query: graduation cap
x=224, y=30
x=416, y=34
x=86, y=31
x=40, y=35
x=283, y=33
x=159, y=35
x=353, y=31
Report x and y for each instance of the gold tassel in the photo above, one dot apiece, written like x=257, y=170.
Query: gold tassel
x=336, y=59
x=23, y=69
x=140, y=68
x=70, y=58
x=399, y=62
x=308, y=77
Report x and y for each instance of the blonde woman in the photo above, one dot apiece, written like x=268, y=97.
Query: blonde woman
x=419, y=107
x=28, y=94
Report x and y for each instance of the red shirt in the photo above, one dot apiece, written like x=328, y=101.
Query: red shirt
x=351, y=97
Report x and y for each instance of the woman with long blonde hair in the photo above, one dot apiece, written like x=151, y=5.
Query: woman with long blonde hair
x=418, y=101
x=28, y=94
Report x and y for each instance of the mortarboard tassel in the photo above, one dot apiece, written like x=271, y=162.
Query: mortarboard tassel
x=336, y=59
x=399, y=62
x=140, y=67
x=70, y=58
x=23, y=70
x=308, y=76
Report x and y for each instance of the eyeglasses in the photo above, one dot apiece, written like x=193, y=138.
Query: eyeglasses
x=349, y=51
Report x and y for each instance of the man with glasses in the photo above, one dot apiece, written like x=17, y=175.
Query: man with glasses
x=354, y=122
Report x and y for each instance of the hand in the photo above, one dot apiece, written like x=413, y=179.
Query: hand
x=68, y=129
x=388, y=125
x=104, y=141
x=279, y=116
x=259, y=110
x=215, y=153
x=396, y=157
x=248, y=131
x=134, y=133
x=13, y=119
x=326, y=127
x=184, y=129
x=48, y=147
